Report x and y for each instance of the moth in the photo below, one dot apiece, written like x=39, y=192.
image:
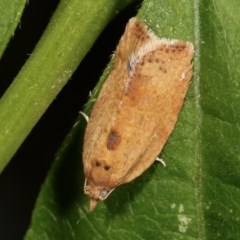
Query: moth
x=136, y=110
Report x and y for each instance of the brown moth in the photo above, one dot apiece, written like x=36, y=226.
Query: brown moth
x=136, y=110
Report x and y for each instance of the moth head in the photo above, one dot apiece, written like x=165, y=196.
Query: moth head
x=96, y=193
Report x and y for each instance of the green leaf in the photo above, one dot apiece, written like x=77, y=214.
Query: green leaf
x=73, y=29
x=10, y=13
x=197, y=195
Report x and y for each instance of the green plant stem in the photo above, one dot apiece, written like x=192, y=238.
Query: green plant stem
x=10, y=14
x=70, y=34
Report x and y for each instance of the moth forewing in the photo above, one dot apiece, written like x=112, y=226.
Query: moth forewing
x=136, y=110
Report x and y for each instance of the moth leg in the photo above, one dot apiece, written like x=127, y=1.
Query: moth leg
x=161, y=161
x=85, y=116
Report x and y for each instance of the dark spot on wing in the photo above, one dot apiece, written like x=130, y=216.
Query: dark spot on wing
x=113, y=139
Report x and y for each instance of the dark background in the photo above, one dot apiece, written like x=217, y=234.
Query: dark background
x=21, y=180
